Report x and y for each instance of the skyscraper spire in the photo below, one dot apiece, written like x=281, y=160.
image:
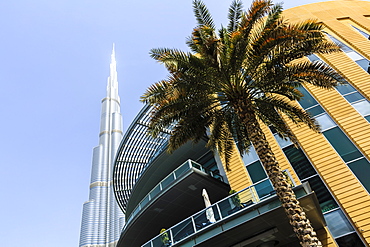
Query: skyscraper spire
x=112, y=79
x=113, y=55
x=102, y=220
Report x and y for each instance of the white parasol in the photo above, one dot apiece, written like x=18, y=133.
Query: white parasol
x=209, y=212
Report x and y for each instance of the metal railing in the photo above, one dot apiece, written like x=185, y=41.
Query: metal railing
x=182, y=169
x=227, y=207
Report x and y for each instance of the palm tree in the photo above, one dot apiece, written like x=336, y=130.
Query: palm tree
x=233, y=81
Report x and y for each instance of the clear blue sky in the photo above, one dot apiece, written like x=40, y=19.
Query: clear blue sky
x=55, y=58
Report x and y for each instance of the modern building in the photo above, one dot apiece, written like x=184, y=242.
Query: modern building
x=161, y=193
x=102, y=219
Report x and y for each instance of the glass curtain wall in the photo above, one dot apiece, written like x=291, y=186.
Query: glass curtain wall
x=349, y=93
x=338, y=224
x=350, y=154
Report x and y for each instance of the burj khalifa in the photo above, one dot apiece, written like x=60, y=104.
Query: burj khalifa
x=102, y=219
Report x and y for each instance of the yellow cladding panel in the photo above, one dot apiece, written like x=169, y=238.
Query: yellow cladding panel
x=350, y=121
x=237, y=173
x=338, y=177
x=325, y=238
x=338, y=17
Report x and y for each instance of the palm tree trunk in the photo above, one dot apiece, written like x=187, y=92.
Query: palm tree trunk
x=297, y=218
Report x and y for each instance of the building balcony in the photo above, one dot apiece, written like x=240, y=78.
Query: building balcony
x=162, y=186
x=242, y=219
x=175, y=197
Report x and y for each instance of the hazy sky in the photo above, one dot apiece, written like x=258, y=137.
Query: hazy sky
x=55, y=58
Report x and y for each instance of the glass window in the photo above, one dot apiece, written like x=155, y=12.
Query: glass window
x=250, y=156
x=326, y=200
x=362, y=32
x=325, y=122
x=338, y=223
x=342, y=144
x=256, y=172
x=363, y=107
x=208, y=161
x=300, y=163
x=345, y=88
x=350, y=240
x=136, y=211
x=354, y=56
x=307, y=100
x=316, y=110
x=353, y=97
x=364, y=63
x=361, y=168
x=283, y=143
x=344, y=47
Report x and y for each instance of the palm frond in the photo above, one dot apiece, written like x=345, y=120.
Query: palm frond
x=293, y=111
x=316, y=73
x=258, y=10
x=202, y=14
x=235, y=15
x=248, y=71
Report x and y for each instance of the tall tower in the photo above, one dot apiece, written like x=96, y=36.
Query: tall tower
x=102, y=220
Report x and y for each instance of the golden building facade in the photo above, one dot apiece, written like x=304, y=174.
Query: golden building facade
x=336, y=162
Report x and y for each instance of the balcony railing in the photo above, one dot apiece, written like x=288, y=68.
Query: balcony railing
x=186, y=166
x=217, y=212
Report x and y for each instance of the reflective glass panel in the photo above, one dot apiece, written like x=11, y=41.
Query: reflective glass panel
x=226, y=207
x=300, y=163
x=167, y=181
x=256, y=172
x=353, y=97
x=326, y=200
x=205, y=218
x=144, y=201
x=155, y=191
x=307, y=100
x=344, y=47
x=162, y=240
x=264, y=188
x=345, y=88
x=361, y=168
x=325, y=122
x=283, y=143
x=354, y=55
x=362, y=107
x=364, y=63
x=182, y=230
x=362, y=32
x=350, y=240
x=342, y=144
x=316, y=110
x=337, y=223
x=182, y=169
x=195, y=165
x=250, y=157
